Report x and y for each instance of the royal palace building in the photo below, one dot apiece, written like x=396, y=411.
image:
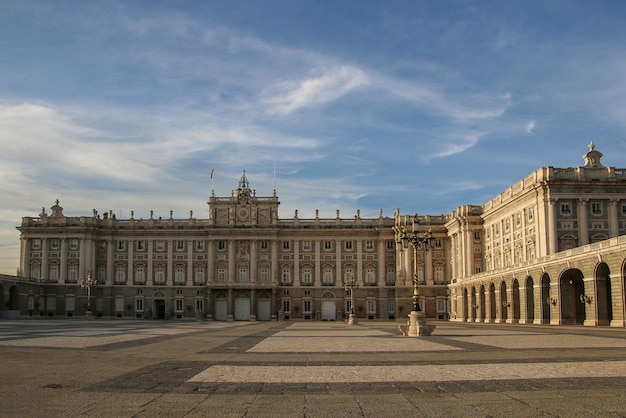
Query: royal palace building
x=550, y=249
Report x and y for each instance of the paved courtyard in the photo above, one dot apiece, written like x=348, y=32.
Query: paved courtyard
x=140, y=368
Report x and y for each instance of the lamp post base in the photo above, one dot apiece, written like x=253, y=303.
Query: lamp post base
x=88, y=316
x=352, y=319
x=418, y=326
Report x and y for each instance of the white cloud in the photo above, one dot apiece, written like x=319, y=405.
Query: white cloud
x=530, y=127
x=288, y=96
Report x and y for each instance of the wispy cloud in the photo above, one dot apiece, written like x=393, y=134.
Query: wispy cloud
x=287, y=96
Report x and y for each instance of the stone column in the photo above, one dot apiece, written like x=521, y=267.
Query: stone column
x=429, y=268
x=338, y=273
x=583, y=222
x=296, y=262
x=254, y=260
x=211, y=261
x=359, y=263
x=149, y=264
x=169, y=280
x=44, y=259
x=232, y=265
x=190, y=273
x=63, y=266
x=318, y=264
x=110, y=263
x=274, y=257
x=552, y=235
x=382, y=268
x=25, y=258
x=131, y=255
x=613, y=218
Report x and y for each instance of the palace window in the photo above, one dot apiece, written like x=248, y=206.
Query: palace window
x=370, y=277
x=179, y=305
x=369, y=245
x=596, y=208
x=54, y=273
x=200, y=277
x=327, y=278
x=306, y=245
x=199, y=245
x=243, y=275
x=391, y=245
x=286, y=306
x=199, y=305
x=121, y=245
x=307, y=277
x=328, y=245
x=160, y=245
x=221, y=275
x=179, y=275
x=141, y=245
x=159, y=275
x=139, y=305
x=36, y=244
x=530, y=214
x=264, y=245
x=371, y=306
x=265, y=275
x=348, y=245
x=120, y=275
x=286, y=245
x=566, y=209
x=391, y=276
x=74, y=244
x=306, y=306
x=286, y=275
x=221, y=245
x=72, y=273
x=180, y=245
x=140, y=276
x=476, y=235
x=54, y=244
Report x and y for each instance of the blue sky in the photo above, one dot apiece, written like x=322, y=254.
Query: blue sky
x=359, y=105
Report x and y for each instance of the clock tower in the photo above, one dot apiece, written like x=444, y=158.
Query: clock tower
x=243, y=207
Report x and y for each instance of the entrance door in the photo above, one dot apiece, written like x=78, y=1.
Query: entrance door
x=242, y=308
x=264, y=310
x=329, y=311
x=159, y=309
x=221, y=309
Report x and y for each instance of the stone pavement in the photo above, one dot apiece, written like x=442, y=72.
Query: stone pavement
x=129, y=368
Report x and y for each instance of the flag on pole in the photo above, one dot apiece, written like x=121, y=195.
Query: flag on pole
x=212, y=171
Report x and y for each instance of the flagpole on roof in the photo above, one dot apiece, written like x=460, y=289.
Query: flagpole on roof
x=212, y=179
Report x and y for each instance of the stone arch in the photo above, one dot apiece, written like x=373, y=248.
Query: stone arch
x=529, y=293
x=473, y=305
x=571, y=286
x=504, y=303
x=547, y=299
x=481, y=303
x=465, y=305
x=492, y=302
x=159, y=305
x=14, y=298
x=516, y=302
x=603, y=297
x=329, y=307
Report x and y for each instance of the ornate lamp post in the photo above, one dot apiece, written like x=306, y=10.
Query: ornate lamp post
x=350, y=284
x=88, y=283
x=404, y=239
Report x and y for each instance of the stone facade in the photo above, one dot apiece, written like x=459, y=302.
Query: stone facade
x=525, y=256
x=242, y=263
